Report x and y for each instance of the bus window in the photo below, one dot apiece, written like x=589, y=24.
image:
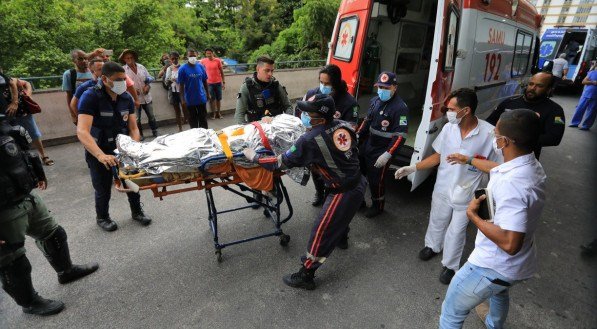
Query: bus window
x=346, y=38
x=522, y=54
x=450, y=40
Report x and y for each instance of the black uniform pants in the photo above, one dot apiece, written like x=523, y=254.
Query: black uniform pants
x=197, y=116
x=332, y=224
x=375, y=176
x=101, y=179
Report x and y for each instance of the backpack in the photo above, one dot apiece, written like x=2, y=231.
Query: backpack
x=73, y=81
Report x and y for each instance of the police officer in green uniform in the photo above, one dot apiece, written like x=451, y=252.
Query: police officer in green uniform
x=261, y=97
x=24, y=213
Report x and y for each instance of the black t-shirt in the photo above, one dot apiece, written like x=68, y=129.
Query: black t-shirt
x=551, y=115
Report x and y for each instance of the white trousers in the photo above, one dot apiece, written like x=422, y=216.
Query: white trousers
x=446, y=230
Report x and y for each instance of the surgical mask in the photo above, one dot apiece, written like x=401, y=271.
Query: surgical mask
x=496, y=148
x=384, y=94
x=306, y=120
x=192, y=60
x=452, y=118
x=118, y=87
x=326, y=90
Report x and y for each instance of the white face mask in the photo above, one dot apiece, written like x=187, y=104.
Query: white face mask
x=452, y=117
x=496, y=148
x=192, y=60
x=118, y=87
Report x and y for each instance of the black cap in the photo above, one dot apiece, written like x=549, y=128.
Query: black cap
x=320, y=103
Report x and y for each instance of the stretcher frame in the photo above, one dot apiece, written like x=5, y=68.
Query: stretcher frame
x=271, y=202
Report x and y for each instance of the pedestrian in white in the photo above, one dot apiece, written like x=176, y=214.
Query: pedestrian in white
x=505, y=249
x=469, y=136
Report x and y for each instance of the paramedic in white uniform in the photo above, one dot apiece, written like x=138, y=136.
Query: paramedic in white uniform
x=467, y=135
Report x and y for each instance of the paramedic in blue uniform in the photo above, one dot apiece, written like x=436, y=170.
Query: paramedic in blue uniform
x=105, y=111
x=381, y=134
x=330, y=148
x=347, y=109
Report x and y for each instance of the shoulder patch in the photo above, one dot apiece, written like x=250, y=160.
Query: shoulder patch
x=558, y=120
x=403, y=120
x=342, y=139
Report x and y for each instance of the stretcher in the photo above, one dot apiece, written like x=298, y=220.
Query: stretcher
x=227, y=177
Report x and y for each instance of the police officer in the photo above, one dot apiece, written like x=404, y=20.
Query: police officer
x=104, y=112
x=381, y=134
x=330, y=148
x=261, y=95
x=347, y=109
x=24, y=213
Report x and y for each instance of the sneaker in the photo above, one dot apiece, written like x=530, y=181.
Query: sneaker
x=107, y=224
x=427, y=253
x=446, y=275
x=42, y=306
x=301, y=279
x=583, y=128
x=573, y=126
x=482, y=310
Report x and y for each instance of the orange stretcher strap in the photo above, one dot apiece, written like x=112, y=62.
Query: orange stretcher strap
x=256, y=178
x=264, y=139
x=225, y=146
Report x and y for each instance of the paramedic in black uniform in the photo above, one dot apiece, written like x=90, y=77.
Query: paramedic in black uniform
x=381, y=134
x=105, y=111
x=329, y=148
x=347, y=109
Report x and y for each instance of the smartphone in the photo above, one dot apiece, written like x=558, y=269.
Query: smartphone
x=108, y=52
x=486, y=207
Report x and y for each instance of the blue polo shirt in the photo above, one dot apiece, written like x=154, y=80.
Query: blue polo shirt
x=84, y=86
x=193, y=77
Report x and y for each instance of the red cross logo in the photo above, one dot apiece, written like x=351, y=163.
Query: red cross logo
x=344, y=38
x=342, y=139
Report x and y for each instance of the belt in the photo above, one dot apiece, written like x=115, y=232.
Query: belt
x=384, y=134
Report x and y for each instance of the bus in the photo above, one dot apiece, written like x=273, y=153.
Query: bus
x=434, y=47
x=579, y=43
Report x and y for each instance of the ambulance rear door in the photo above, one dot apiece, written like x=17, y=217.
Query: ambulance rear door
x=439, y=82
x=348, y=41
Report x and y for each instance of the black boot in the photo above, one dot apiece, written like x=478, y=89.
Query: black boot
x=343, y=243
x=301, y=279
x=107, y=224
x=375, y=210
x=139, y=215
x=16, y=281
x=55, y=248
x=590, y=249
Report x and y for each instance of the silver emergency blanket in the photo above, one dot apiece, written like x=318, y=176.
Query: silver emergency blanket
x=188, y=150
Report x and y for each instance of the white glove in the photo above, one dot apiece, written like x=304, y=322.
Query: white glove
x=250, y=153
x=404, y=171
x=382, y=160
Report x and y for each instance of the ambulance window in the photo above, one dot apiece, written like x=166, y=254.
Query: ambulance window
x=407, y=63
x=411, y=36
x=347, y=34
x=451, y=40
x=522, y=54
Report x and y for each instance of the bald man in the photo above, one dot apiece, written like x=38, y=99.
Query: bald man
x=535, y=97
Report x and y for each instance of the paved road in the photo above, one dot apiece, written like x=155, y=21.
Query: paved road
x=166, y=275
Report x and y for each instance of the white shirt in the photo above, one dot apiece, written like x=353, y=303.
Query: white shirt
x=518, y=189
x=172, y=73
x=559, y=65
x=459, y=182
x=139, y=80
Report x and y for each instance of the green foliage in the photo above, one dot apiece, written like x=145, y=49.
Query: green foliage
x=36, y=37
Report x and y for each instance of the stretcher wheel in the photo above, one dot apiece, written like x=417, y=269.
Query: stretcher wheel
x=284, y=240
x=219, y=255
x=266, y=213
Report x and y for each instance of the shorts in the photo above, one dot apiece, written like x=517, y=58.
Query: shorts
x=173, y=97
x=215, y=91
x=29, y=124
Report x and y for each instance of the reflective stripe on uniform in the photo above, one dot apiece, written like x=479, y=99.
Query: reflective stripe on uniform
x=106, y=114
x=385, y=134
x=327, y=156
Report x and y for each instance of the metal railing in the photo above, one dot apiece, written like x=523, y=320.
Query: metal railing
x=55, y=81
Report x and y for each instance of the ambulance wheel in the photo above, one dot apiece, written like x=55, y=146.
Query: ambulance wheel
x=219, y=255
x=284, y=240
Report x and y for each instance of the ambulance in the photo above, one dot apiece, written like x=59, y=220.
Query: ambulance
x=434, y=47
